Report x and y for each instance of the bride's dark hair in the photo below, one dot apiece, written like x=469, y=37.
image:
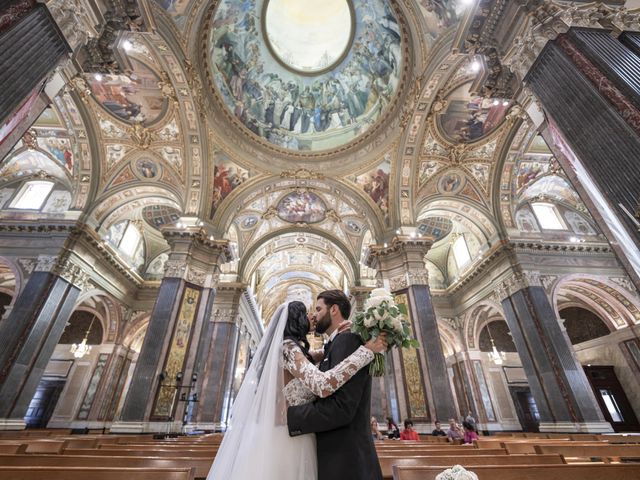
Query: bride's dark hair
x=297, y=326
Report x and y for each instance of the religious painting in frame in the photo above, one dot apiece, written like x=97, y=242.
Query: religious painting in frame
x=165, y=400
x=468, y=118
x=302, y=207
x=412, y=371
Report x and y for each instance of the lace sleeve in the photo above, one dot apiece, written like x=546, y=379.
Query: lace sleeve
x=323, y=384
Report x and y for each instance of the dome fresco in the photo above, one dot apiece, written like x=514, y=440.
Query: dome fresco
x=271, y=87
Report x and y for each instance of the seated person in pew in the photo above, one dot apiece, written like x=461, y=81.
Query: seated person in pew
x=455, y=432
x=393, y=431
x=375, y=430
x=469, y=433
x=409, y=433
x=438, y=432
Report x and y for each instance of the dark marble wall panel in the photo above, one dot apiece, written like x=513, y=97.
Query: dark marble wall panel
x=557, y=380
x=438, y=380
x=145, y=382
x=37, y=343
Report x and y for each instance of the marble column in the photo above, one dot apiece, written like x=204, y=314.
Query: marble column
x=593, y=128
x=558, y=383
x=400, y=266
x=164, y=373
x=379, y=402
x=218, y=358
x=31, y=46
x=32, y=330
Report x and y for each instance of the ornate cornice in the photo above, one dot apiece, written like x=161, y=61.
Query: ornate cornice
x=398, y=244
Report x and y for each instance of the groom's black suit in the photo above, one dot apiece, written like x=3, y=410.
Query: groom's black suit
x=341, y=421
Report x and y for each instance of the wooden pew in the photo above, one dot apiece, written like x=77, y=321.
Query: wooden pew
x=530, y=472
x=42, y=446
x=466, y=452
x=87, y=473
x=530, y=447
x=386, y=463
x=607, y=452
x=201, y=465
x=103, y=452
x=620, y=438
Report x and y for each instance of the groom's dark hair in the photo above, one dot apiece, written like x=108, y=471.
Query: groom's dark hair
x=337, y=297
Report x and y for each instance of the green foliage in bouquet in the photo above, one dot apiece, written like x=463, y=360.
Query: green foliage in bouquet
x=382, y=315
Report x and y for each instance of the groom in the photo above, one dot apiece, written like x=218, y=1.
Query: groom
x=341, y=421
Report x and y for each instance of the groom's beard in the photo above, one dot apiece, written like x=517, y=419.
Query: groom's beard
x=323, y=323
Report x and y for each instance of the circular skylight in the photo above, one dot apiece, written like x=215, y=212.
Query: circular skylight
x=308, y=36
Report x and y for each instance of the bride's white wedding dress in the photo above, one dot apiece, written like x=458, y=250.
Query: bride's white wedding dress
x=257, y=443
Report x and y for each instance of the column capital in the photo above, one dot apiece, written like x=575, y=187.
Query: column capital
x=65, y=267
x=194, y=256
x=515, y=282
x=401, y=263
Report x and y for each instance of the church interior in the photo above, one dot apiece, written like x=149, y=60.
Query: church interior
x=174, y=170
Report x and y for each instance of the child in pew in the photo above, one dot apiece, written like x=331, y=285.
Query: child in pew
x=409, y=433
x=469, y=433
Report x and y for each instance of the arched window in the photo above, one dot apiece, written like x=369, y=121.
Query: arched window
x=461, y=251
x=32, y=195
x=548, y=216
x=127, y=238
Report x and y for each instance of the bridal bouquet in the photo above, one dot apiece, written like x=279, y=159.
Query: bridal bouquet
x=382, y=315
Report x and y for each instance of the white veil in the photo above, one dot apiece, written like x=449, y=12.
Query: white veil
x=249, y=446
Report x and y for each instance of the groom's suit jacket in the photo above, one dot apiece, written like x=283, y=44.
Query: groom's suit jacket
x=341, y=421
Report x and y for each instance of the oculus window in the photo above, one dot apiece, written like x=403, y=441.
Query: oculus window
x=32, y=195
x=309, y=36
x=548, y=216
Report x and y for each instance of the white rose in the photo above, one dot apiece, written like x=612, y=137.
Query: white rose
x=369, y=322
x=378, y=296
x=397, y=325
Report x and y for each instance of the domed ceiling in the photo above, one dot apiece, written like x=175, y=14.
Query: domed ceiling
x=305, y=75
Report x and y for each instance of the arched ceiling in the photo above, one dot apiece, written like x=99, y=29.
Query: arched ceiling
x=297, y=265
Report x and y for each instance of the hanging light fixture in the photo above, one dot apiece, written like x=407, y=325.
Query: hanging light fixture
x=82, y=349
x=497, y=357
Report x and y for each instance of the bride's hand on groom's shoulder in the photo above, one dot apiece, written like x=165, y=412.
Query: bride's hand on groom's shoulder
x=344, y=326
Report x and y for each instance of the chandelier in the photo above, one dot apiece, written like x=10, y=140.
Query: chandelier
x=82, y=349
x=497, y=357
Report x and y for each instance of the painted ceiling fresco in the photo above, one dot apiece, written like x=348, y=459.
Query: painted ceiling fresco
x=305, y=111
x=136, y=97
x=468, y=118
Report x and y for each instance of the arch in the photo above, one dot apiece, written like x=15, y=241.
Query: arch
x=112, y=205
x=351, y=268
x=83, y=322
x=498, y=330
x=234, y=205
x=475, y=320
x=617, y=307
x=582, y=324
x=11, y=279
x=133, y=336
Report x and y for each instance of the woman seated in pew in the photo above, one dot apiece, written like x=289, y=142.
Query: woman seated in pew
x=469, y=433
x=409, y=433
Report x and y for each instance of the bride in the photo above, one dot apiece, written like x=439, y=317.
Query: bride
x=257, y=443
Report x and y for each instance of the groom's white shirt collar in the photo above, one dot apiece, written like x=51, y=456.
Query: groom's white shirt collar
x=332, y=336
